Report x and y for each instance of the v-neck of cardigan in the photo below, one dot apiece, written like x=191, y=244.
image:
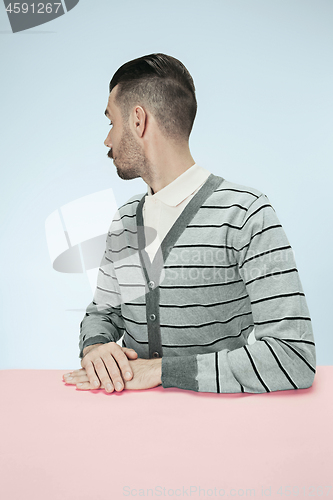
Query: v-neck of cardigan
x=153, y=269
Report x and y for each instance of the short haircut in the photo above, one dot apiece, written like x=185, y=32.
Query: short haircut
x=164, y=86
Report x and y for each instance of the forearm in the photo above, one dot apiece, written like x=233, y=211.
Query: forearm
x=265, y=366
x=99, y=326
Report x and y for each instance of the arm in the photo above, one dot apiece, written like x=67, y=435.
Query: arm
x=283, y=356
x=103, y=322
x=102, y=359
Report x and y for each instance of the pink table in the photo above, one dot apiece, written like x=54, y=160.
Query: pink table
x=61, y=443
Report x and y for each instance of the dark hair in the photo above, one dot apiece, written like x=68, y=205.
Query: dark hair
x=164, y=86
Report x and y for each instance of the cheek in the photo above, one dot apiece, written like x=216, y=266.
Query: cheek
x=113, y=136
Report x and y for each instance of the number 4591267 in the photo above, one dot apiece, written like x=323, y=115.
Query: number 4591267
x=24, y=8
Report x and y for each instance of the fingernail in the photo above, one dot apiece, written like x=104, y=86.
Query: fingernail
x=128, y=375
x=95, y=383
x=69, y=378
x=108, y=387
x=118, y=386
x=79, y=384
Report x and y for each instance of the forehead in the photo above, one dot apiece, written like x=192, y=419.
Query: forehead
x=111, y=108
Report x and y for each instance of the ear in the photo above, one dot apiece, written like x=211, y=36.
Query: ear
x=139, y=121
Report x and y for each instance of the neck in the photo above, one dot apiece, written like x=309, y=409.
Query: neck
x=168, y=163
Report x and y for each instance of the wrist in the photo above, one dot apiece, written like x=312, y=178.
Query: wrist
x=89, y=348
x=157, y=363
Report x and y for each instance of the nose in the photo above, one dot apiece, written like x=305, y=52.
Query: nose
x=108, y=142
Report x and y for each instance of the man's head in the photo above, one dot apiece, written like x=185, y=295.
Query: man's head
x=155, y=85
x=163, y=85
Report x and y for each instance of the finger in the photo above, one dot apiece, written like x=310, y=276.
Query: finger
x=85, y=386
x=101, y=366
x=91, y=372
x=93, y=363
x=130, y=352
x=77, y=379
x=114, y=373
x=74, y=373
x=107, y=372
x=121, y=357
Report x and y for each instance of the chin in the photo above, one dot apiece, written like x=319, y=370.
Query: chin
x=127, y=174
x=124, y=175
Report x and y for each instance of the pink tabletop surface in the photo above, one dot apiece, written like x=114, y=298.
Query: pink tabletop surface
x=58, y=442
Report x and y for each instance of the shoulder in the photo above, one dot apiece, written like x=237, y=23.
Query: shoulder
x=241, y=204
x=129, y=208
x=228, y=192
x=125, y=216
x=132, y=202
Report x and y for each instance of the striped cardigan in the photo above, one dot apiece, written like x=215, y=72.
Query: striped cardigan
x=225, y=268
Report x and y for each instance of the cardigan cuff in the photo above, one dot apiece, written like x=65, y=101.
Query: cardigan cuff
x=180, y=372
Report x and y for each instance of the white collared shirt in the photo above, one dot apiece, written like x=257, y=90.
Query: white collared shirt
x=161, y=210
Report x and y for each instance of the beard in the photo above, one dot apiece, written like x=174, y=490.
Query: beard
x=131, y=162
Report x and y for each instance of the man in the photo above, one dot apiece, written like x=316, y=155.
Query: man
x=185, y=307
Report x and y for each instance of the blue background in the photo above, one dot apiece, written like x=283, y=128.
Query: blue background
x=264, y=80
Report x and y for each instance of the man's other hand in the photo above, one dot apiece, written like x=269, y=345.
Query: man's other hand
x=147, y=374
x=108, y=364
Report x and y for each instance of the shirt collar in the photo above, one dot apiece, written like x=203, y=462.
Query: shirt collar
x=182, y=187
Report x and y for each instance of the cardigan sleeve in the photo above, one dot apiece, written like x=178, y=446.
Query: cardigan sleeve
x=103, y=321
x=283, y=356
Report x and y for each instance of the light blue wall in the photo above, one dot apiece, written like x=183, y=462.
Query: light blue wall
x=264, y=80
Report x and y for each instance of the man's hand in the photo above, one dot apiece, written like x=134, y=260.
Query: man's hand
x=147, y=374
x=107, y=364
